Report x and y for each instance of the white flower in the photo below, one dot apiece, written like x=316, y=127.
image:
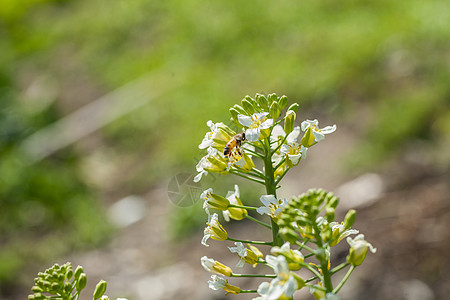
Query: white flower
x=272, y=206
x=339, y=232
x=319, y=134
x=241, y=251
x=208, y=139
x=255, y=124
x=206, y=195
x=213, y=266
x=231, y=196
x=358, y=249
x=217, y=282
x=284, y=284
x=214, y=230
x=212, y=162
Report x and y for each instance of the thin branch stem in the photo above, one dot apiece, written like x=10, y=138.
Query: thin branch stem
x=279, y=146
x=254, y=275
x=250, y=242
x=281, y=176
x=258, y=221
x=232, y=171
x=242, y=206
x=341, y=284
x=340, y=267
x=248, y=291
x=254, y=153
x=259, y=172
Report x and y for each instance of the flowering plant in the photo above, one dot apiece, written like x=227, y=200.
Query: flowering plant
x=303, y=229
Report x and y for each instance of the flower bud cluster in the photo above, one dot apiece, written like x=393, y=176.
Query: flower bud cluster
x=61, y=282
x=58, y=281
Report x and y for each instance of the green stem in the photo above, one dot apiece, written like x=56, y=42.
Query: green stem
x=248, y=291
x=258, y=221
x=242, y=206
x=338, y=268
x=255, y=174
x=258, y=172
x=311, y=279
x=235, y=172
x=303, y=246
x=279, y=164
x=254, y=153
x=323, y=263
x=309, y=267
x=271, y=189
x=349, y=272
x=281, y=176
x=250, y=242
x=254, y=275
x=279, y=146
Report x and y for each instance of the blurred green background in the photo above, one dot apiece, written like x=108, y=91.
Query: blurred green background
x=130, y=85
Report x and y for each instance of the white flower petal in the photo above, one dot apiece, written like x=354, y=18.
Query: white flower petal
x=198, y=177
x=307, y=123
x=252, y=134
x=284, y=149
x=278, y=131
x=263, y=210
x=294, y=158
x=245, y=120
x=205, y=238
x=292, y=137
x=268, y=199
x=318, y=136
x=217, y=282
x=328, y=129
x=266, y=124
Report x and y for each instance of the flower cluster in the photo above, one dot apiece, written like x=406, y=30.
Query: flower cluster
x=264, y=129
x=61, y=282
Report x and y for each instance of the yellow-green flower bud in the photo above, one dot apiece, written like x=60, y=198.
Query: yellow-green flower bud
x=217, y=165
x=81, y=284
x=253, y=255
x=300, y=282
x=308, y=138
x=236, y=213
x=358, y=250
x=78, y=272
x=240, y=109
x=234, y=113
x=247, y=105
x=294, y=258
x=100, y=289
x=214, y=230
x=283, y=101
x=288, y=234
x=317, y=291
x=262, y=101
x=289, y=120
x=218, y=202
x=36, y=289
x=275, y=110
x=231, y=289
x=294, y=107
x=213, y=266
x=272, y=98
x=349, y=218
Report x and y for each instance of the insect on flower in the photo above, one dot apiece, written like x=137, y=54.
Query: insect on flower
x=234, y=143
